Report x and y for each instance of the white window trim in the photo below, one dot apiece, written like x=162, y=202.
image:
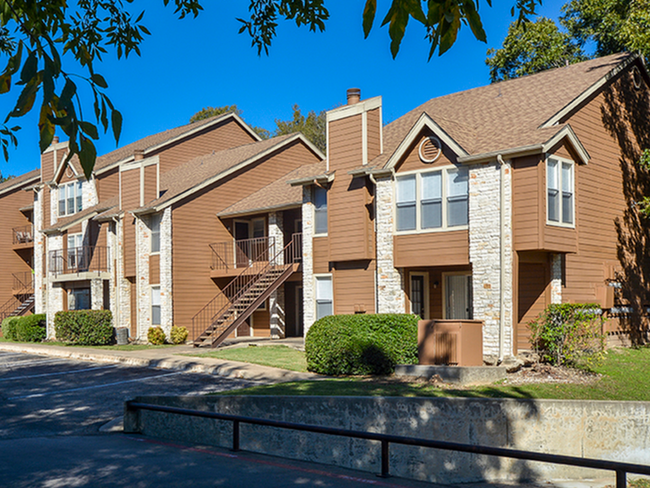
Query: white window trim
x=152, y=288
x=316, y=277
x=327, y=205
x=418, y=230
x=444, y=290
x=65, y=186
x=427, y=296
x=151, y=251
x=561, y=160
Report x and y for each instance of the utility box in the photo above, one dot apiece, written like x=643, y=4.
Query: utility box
x=450, y=342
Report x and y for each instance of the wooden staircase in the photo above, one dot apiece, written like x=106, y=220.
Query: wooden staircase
x=15, y=307
x=237, y=301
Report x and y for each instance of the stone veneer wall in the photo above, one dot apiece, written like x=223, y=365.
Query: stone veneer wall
x=54, y=301
x=39, y=252
x=484, y=253
x=390, y=282
x=556, y=278
x=309, y=302
x=276, y=300
x=123, y=285
x=143, y=248
x=96, y=294
x=166, y=298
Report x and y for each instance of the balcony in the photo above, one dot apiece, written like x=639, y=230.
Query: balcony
x=231, y=257
x=23, y=283
x=86, y=262
x=23, y=237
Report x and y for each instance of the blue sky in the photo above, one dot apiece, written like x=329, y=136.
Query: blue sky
x=193, y=63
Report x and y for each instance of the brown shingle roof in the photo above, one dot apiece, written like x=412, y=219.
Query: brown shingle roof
x=61, y=224
x=277, y=195
x=19, y=180
x=204, y=168
x=503, y=115
x=153, y=140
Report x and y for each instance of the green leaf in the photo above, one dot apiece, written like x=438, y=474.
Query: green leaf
x=46, y=128
x=69, y=89
x=116, y=122
x=474, y=20
x=29, y=68
x=25, y=100
x=89, y=129
x=99, y=80
x=5, y=83
x=369, y=12
x=87, y=156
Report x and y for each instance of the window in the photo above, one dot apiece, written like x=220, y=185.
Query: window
x=155, y=305
x=432, y=200
x=324, y=304
x=75, y=250
x=560, y=185
x=70, y=198
x=79, y=299
x=155, y=232
x=458, y=296
x=320, y=204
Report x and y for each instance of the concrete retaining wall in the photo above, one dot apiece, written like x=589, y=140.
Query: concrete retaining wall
x=617, y=431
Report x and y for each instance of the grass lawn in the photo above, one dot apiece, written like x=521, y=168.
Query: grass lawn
x=625, y=377
x=276, y=356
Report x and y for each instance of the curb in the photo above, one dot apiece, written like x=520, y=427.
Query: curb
x=226, y=369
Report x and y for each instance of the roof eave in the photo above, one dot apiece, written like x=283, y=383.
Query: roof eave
x=59, y=229
x=272, y=208
x=321, y=179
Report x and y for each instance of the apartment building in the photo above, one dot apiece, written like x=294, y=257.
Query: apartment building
x=487, y=204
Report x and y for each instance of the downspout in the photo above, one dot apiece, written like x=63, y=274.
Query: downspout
x=502, y=249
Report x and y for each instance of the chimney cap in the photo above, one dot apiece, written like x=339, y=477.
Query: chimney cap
x=55, y=140
x=354, y=95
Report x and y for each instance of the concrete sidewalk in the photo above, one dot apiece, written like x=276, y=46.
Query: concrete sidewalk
x=168, y=358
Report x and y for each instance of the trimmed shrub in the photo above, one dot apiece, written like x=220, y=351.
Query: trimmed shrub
x=30, y=328
x=156, y=336
x=361, y=344
x=85, y=327
x=569, y=334
x=9, y=328
x=178, y=335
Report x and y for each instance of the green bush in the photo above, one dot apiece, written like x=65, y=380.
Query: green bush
x=9, y=328
x=178, y=335
x=156, y=336
x=30, y=328
x=85, y=327
x=361, y=344
x=569, y=334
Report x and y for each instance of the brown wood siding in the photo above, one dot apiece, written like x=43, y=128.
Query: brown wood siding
x=195, y=226
x=321, y=252
x=411, y=160
x=150, y=182
x=348, y=200
x=559, y=239
x=47, y=166
x=108, y=185
x=374, y=133
x=97, y=237
x=600, y=194
x=154, y=269
x=262, y=323
x=11, y=261
x=527, y=203
x=533, y=295
x=46, y=207
x=354, y=287
x=224, y=136
x=130, y=191
x=431, y=249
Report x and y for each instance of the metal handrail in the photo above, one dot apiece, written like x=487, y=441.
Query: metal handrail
x=9, y=306
x=80, y=259
x=24, y=234
x=621, y=469
x=23, y=281
x=241, y=253
x=204, y=318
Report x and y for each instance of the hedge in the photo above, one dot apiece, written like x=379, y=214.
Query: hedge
x=85, y=327
x=30, y=328
x=361, y=344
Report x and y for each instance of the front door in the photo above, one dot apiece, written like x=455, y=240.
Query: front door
x=417, y=295
x=242, y=231
x=458, y=297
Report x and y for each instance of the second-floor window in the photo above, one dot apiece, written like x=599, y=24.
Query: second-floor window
x=155, y=232
x=432, y=200
x=70, y=198
x=320, y=204
x=560, y=191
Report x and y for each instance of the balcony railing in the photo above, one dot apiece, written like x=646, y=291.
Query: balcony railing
x=24, y=234
x=23, y=283
x=80, y=260
x=242, y=253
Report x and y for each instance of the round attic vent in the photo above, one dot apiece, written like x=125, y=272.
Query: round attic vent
x=430, y=149
x=636, y=77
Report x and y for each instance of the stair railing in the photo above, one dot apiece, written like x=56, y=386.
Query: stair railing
x=243, y=282
x=9, y=306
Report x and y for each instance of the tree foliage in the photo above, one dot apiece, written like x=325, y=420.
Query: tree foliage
x=312, y=126
x=5, y=178
x=207, y=112
x=36, y=36
x=532, y=48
